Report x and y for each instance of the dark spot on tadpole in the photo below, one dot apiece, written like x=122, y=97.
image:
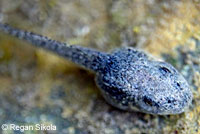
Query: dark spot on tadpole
x=178, y=84
x=169, y=101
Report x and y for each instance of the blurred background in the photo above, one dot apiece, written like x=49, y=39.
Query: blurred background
x=38, y=87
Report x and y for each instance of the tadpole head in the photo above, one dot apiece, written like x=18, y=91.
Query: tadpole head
x=165, y=90
x=146, y=86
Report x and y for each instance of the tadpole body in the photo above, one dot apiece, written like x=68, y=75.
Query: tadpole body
x=128, y=78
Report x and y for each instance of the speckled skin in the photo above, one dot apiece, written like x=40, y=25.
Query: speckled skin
x=127, y=78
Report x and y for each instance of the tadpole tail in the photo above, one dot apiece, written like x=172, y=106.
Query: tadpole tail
x=86, y=57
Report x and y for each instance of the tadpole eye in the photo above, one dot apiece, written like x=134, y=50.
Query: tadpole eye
x=164, y=70
x=147, y=100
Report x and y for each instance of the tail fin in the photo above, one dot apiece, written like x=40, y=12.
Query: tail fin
x=86, y=57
